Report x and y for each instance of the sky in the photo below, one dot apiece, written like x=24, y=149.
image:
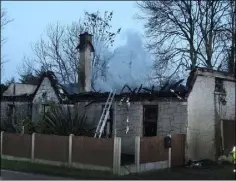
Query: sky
x=32, y=18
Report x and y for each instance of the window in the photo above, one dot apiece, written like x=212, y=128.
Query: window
x=45, y=108
x=150, y=114
x=30, y=109
x=44, y=95
x=219, y=86
x=10, y=112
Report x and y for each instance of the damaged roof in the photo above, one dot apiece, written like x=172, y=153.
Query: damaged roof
x=71, y=93
x=17, y=89
x=71, y=88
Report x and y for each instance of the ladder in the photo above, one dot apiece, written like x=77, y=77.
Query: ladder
x=104, y=116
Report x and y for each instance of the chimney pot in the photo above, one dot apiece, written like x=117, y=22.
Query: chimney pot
x=85, y=39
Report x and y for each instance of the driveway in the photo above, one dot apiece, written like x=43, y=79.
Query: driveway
x=13, y=175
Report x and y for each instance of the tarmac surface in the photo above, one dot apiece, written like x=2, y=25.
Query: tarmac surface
x=14, y=175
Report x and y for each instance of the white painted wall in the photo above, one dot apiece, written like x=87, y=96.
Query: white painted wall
x=202, y=116
x=45, y=87
x=51, y=97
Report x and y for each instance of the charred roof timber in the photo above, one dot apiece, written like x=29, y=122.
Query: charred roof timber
x=178, y=92
x=175, y=90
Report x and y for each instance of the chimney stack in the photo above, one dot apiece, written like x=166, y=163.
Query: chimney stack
x=85, y=52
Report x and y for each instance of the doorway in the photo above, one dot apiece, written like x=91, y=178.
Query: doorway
x=229, y=134
x=107, y=133
x=150, y=115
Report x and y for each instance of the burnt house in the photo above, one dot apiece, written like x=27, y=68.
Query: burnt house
x=190, y=109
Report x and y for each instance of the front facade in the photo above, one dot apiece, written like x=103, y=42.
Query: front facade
x=148, y=114
x=145, y=118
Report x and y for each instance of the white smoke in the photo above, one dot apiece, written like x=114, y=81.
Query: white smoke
x=130, y=64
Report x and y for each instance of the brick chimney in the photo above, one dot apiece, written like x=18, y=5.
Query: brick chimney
x=85, y=48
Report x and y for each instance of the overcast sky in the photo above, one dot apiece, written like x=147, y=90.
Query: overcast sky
x=31, y=19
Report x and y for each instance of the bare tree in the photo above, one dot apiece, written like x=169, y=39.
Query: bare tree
x=4, y=21
x=184, y=34
x=228, y=37
x=57, y=52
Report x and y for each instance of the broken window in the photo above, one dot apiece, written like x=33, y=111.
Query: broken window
x=11, y=112
x=45, y=108
x=30, y=108
x=44, y=95
x=150, y=120
x=219, y=86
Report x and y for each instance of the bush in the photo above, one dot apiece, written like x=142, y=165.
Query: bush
x=29, y=127
x=63, y=120
x=8, y=126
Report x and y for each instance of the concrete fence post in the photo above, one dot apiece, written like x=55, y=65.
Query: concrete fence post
x=169, y=157
x=23, y=130
x=70, y=149
x=32, y=146
x=1, y=141
x=137, y=152
x=117, y=155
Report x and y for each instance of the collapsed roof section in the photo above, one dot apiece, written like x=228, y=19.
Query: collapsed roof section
x=70, y=93
x=175, y=91
x=17, y=89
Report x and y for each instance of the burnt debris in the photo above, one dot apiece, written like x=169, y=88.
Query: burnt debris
x=70, y=93
x=175, y=90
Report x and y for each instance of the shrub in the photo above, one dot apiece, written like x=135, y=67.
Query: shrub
x=7, y=125
x=63, y=120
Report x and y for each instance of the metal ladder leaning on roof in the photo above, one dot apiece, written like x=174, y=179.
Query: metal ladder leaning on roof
x=104, y=116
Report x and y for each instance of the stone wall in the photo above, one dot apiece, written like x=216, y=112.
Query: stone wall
x=135, y=124
x=93, y=112
x=172, y=119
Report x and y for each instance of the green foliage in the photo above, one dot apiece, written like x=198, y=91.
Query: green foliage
x=29, y=127
x=7, y=125
x=62, y=120
x=58, y=120
x=29, y=79
x=3, y=88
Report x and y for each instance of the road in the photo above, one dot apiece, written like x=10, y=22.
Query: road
x=14, y=175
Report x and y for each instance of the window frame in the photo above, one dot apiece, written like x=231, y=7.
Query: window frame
x=149, y=123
